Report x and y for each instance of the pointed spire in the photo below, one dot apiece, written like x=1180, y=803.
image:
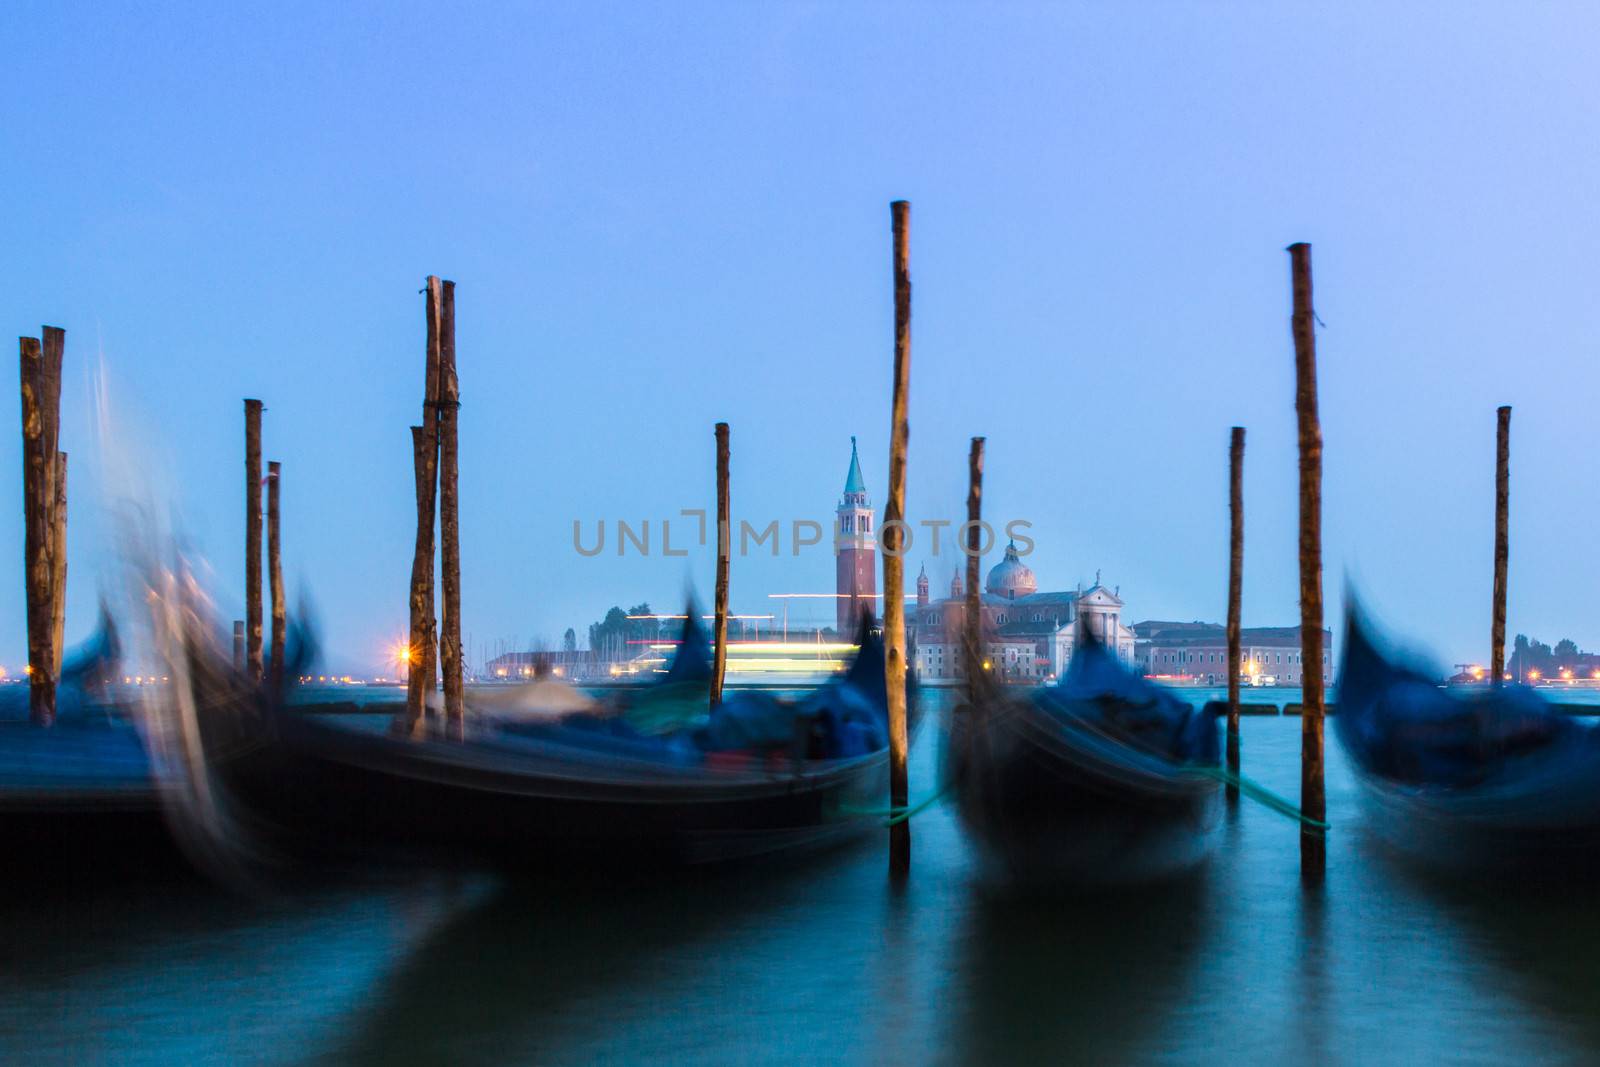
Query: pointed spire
x=853, y=482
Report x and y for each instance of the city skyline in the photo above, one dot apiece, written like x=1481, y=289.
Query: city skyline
x=1100, y=207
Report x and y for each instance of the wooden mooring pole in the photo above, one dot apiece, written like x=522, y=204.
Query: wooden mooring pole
x=1502, y=512
x=972, y=614
x=58, y=567
x=55, y=345
x=719, y=648
x=43, y=557
x=450, y=664
x=425, y=460
x=1235, y=588
x=252, y=537
x=275, y=573
x=892, y=536
x=1313, y=802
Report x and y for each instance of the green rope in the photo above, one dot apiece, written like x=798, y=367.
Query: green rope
x=1260, y=794
x=896, y=816
x=1246, y=786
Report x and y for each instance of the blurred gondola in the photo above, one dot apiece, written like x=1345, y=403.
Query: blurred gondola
x=653, y=777
x=1090, y=782
x=1498, y=779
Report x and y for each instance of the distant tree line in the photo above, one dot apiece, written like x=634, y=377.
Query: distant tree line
x=1529, y=654
x=618, y=637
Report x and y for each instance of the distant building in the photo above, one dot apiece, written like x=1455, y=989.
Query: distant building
x=578, y=666
x=1199, y=651
x=1028, y=635
x=856, y=566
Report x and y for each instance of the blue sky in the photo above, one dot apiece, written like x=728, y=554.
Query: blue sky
x=658, y=217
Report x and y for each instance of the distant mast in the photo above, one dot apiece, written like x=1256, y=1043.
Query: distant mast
x=857, y=552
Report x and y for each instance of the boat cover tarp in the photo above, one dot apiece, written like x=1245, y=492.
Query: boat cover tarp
x=1099, y=692
x=670, y=720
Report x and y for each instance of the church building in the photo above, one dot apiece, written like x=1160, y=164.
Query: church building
x=856, y=548
x=1028, y=635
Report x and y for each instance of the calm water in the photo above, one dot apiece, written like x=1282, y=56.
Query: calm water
x=824, y=963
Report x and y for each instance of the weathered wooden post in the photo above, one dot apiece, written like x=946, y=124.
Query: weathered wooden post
x=275, y=573
x=1313, y=803
x=58, y=578
x=719, y=651
x=252, y=537
x=893, y=538
x=423, y=649
x=1502, y=510
x=40, y=381
x=1235, y=588
x=425, y=458
x=972, y=614
x=238, y=645
x=449, y=517
x=55, y=343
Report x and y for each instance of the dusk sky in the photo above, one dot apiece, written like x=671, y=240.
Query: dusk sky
x=659, y=217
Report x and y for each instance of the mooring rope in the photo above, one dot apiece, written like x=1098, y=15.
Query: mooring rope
x=896, y=816
x=1246, y=786
x=1260, y=794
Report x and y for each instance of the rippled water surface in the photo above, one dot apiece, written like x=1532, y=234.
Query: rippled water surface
x=821, y=962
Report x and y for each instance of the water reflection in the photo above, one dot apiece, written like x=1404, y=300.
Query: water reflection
x=1538, y=938
x=540, y=969
x=170, y=971
x=1090, y=979
x=1314, y=1009
x=823, y=961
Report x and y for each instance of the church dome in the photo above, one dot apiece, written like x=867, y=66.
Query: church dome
x=1011, y=577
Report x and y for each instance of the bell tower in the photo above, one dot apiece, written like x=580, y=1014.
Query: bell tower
x=856, y=550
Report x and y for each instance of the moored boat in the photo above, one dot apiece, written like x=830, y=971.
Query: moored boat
x=1495, y=778
x=650, y=777
x=81, y=796
x=1103, y=779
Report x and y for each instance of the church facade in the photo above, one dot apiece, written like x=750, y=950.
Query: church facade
x=1028, y=635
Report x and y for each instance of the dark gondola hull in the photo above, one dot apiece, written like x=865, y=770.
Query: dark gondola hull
x=1460, y=837
x=326, y=789
x=649, y=779
x=1046, y=808
x=81, y=799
